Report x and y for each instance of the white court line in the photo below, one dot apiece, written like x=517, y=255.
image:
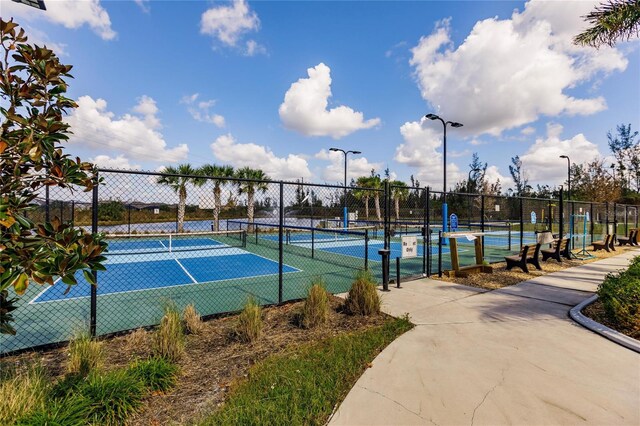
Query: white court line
x=185, y=271
x=42, y=292
x=171, y=286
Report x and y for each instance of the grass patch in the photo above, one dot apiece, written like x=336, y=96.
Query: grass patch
x=249, y=323
x=168, y=341
x=72, y=411
x=156, y=374
x=192, y=320
x=21, y=392
x=304, y=386
x=363, y=299
x=620, y=298
x=85, y=354
x=315, y=310
x=112, y=396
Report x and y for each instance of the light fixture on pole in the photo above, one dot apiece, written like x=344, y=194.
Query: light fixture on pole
x=346, y=153
x=445, y=227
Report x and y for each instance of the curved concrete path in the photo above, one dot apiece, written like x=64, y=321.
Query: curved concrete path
x=508, y=356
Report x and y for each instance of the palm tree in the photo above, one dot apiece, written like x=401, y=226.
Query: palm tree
x=399, y=192
x=257, y=180
x=222, y=175
x=610, y=22
x=177, y=178
x=376, y=185
x=363, y=193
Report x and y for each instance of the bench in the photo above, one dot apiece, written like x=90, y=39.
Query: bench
x=526, y=256
x=603, y=244
x=558, y=251
x=629, y=239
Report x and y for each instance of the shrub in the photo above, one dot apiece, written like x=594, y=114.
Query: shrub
x=113, y=396
x=192, y=321
x=72, y=411
x=156, y=374
x=169, y=338
x=316, y=307
x=249, y=323
x=85, y=354
x=363, y=299
x=620, y=296
x=22, y=392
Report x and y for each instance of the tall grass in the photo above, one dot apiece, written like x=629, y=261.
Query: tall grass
x=168, y=341
x=363, y=298
x=21, y=392
x=192, y=320
x=156, y=374
x=85, y=353
x=315, y=310
x=113, y=396
x=249, y=323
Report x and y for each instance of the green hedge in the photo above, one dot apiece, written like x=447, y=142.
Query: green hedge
x=620, y=297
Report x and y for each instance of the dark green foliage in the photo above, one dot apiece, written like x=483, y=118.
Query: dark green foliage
x=303, y=387
x=112, y=210
x=620, y=296
x=156, y=374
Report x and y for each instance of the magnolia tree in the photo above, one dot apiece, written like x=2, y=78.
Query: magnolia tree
x=32, y=105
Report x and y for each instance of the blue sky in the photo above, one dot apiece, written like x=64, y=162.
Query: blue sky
x=276, y=84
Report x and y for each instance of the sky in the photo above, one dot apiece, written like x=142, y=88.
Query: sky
x=274, y=85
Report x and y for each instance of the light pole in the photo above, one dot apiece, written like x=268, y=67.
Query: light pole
x=346, y=153
x=445, y=228
x=469, y=192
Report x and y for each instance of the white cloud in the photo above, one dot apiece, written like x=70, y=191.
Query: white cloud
x=508, y=73
x=419, y=151
x=144, y=5
x=71, y=14
x=137, y=136
x=305, y=108
x=527, y=131
x=230, y=23
x=492, y=174
x=356, y=166
x=541, y=162
x=227, y=150
x=200, y=110
x=253, y=48
x=119, y=162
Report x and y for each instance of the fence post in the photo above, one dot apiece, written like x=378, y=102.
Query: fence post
x=280, y=242
x=387, y=217
x=549, y=218
x=615, y=219
x=482, y=221
x=366, y=248
x=606, y=217
x=592, y=220
x=94, y=230
x=440, y=253
x=561, y=213
x=46, y=204
x=426, y=256
x=521, y=223
x=626, y=222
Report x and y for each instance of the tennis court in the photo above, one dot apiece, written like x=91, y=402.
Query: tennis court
x=145, y=262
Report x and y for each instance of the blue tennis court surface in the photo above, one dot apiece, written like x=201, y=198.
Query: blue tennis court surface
x=147, y=270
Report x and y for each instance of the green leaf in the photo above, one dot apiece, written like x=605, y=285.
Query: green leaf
x=89, y=277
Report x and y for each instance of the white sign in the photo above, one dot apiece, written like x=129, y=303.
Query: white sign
x=497, y=207
x=352, y=217
x=409, y=246
x=156, y=211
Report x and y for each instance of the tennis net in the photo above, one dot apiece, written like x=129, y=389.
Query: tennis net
x=174, y=242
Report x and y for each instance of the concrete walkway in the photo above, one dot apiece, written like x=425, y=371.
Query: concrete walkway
x=509, y=356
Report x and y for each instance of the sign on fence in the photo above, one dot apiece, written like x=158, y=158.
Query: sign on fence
x=156, y=211
x=533, y=217
x=409, y=246
x=453, y=222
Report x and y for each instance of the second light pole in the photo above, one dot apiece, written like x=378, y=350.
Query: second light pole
x=570, y=223
x=445, y=212
x=346, y=153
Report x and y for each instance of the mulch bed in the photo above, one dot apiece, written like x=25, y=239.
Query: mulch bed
x=503, y=278
x=213, y=359
x=595, y=311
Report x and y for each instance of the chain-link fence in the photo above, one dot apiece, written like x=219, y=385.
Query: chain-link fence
x=216, y=241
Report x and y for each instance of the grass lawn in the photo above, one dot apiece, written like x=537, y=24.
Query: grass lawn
x=305, y=384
